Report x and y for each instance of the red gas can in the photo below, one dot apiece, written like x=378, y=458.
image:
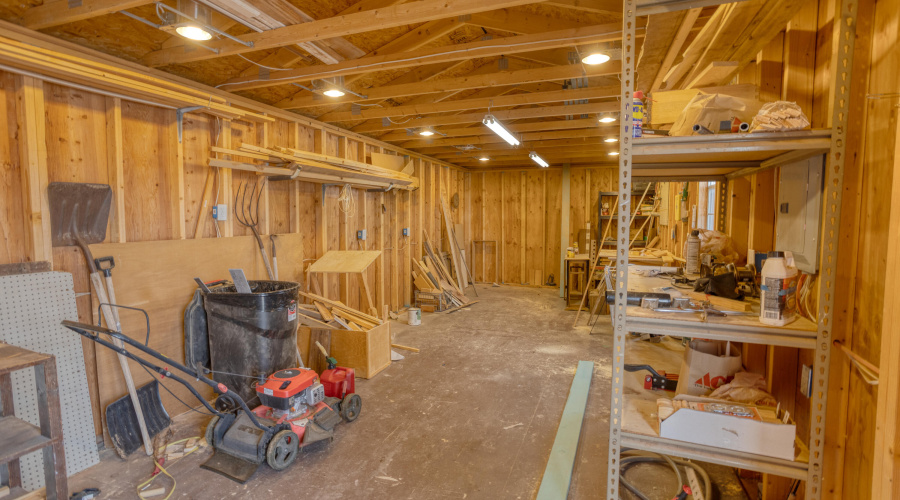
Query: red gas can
x=338, y=382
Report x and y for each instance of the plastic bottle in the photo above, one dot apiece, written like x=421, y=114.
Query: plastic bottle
x=637, y=114
x=692, y=253
x=778, y=292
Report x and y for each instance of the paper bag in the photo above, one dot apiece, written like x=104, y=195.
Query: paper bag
x=708, y=110
x=706, y=366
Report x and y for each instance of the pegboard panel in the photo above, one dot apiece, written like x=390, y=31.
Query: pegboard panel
x=31, y=309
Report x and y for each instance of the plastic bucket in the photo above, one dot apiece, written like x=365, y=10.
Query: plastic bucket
x=415, y=316
x=252, y=335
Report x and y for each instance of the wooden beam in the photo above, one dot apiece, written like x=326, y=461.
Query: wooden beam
x=687, y=24
x=494, y=79
x=599, y=6
x=503, y=115
x=538, y=126
x=716, y=73
x=115, y=167
x=59, y=12
x=432, y=55
x=467, y=104
x=522, y=22
x=485, y=138
x=360, y=22
x=33, y=163
x=696, y=49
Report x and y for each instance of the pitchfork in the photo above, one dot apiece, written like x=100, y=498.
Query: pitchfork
x=249, y=215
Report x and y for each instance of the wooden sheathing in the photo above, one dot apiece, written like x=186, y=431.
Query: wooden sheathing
x=521, y=210
x=163, y=196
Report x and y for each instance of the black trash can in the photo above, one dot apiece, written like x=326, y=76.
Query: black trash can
x=252, y=335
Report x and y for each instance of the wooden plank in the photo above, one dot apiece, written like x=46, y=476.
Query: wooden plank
x=33, y=160
x=345, y=261
x=55, y=13
x=468, y=82
x=433, y=55
x=454, y=249
x=666, y=106
x=558, y=473
x=389, y=17
x=716, y=73
x=115, y=164
x=684, y=29
x=719, y=302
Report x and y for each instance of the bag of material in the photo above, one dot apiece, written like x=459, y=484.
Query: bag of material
x=746, y=387
x=719, y=245
x=707, y=366
x=708, y=110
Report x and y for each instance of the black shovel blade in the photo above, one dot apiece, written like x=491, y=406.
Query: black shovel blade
x=78, y=211
x=122, y=422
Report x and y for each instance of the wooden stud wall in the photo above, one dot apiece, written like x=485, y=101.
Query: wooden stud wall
x=57, y=133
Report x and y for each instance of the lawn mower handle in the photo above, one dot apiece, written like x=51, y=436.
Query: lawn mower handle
x=92, y=332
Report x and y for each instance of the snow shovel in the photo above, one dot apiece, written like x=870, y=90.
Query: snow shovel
x=78, y=217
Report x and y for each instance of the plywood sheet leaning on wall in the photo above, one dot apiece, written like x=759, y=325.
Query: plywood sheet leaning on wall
x=158, y=276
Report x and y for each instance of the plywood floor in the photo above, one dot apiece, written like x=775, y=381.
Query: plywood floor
x=472, y=416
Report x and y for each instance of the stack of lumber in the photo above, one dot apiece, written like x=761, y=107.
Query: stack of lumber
x=333, y=314
x=430, y=275
x=312, y=167
x=666, y=256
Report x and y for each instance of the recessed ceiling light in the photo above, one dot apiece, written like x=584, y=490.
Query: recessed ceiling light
x=426, y=132
x=193, y=32
x=614, y=153
x=334, y=93
x=595, y=58
x=607, y=118
x=484, y=158
x=610, y=139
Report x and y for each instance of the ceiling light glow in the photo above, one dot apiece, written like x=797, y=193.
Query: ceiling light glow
x=607, y=118
x=193, y=32
x=498, y=129
x=426, y=132
x=614, y=153
x=595, y=58
x=610, y=139
x=334, y=93
x=484, y=158
x=537, y=159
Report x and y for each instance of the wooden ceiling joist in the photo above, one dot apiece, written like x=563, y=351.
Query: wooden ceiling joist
x=468, y=104
x=57, y=12
x=448, y=152
x=517, y=21
x=503, y=115
x=494, y=79
x=432, y=55
x=360, y=22
x=539, y=126
x=675, y=46
x=486, y=137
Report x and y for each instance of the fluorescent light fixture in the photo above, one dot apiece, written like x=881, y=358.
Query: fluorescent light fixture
x=607, y=118
x=426, y=132
x=193, y=32
x=614, y=153
x=610, y=139
x=484, y=158
x=595, y=58
x=537, y=159
x=334, y=92
x=498, y=129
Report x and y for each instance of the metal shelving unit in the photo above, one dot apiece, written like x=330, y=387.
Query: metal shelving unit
x=721, y=157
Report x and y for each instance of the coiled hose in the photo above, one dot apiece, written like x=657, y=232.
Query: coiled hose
x=630, y=457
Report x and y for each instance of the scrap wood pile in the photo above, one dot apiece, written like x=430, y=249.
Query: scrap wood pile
x=430, y=275
x=333, y=314
x=287, y=163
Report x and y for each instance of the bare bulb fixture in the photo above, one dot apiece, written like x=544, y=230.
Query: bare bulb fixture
x=334, y=93
x=193, y=33
x=595, y=59
x=607, y=118
x=614, y=153
x=610, y=139
x=484, y=158
x=426, y=133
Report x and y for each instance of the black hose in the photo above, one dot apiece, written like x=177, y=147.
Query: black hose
x=648, y=457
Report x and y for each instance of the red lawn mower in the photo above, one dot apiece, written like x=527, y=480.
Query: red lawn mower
x=299, y=407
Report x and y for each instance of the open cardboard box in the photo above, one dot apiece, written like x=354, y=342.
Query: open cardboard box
x=766, y=435
x=368, y=352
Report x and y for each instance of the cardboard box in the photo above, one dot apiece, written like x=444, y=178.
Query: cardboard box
x=367, y=352
x=760, y=434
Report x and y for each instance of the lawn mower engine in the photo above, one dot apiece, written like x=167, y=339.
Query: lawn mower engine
x=291, y=392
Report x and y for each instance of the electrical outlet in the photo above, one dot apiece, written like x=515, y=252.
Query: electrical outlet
x=220, y=212
x=361, y=235
x=405, y=231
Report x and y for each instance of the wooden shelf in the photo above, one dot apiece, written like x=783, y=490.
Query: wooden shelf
x=19, y=438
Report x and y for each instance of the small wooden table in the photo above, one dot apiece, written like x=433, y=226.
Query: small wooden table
x=576, y=278
x=18, y=437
